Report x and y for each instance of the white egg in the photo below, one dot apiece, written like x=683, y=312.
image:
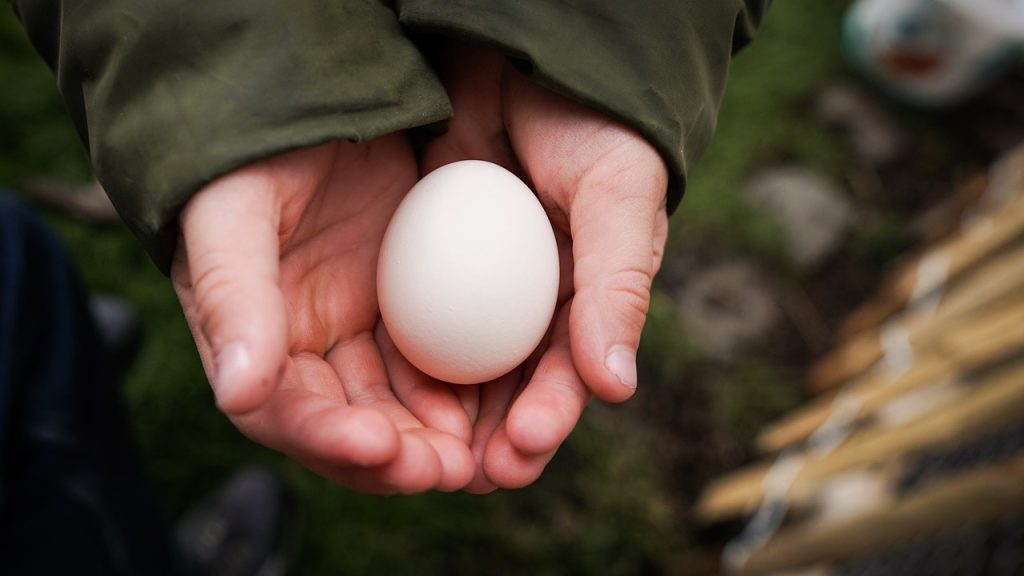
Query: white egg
x=468, y=273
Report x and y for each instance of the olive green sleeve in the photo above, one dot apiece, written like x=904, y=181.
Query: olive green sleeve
x=658, y=65
x=168, y=94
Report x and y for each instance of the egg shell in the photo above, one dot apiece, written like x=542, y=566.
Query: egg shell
x=467, y=278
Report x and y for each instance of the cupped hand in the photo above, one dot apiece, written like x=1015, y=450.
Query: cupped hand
x=275, y=271
x=603, y=187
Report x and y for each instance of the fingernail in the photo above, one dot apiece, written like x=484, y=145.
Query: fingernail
x=621, y=361
x=232, y=361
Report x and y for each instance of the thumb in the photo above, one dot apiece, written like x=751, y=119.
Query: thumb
x=618, y=226
x=606, y=184
x=231, y=294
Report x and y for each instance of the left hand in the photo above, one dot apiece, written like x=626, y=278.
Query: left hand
x=603, y=187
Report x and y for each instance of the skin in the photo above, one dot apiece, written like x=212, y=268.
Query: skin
x=284, y=321
x=288, y=326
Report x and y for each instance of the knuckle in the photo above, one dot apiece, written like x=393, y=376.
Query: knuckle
x=213, y=289
x=630, y=289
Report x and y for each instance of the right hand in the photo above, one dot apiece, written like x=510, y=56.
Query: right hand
x=276, y=273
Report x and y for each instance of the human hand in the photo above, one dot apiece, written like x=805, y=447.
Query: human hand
x=276, y=274
x=603, y=187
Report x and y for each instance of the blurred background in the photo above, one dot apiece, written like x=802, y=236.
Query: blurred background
x=831, y=168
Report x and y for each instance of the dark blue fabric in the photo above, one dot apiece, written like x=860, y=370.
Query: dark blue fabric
x=73, y=499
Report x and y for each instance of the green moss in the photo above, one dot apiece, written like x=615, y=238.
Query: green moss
x=765, y=116
x=666, y=350
x=750, y=395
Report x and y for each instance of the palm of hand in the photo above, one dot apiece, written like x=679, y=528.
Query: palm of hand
x=300, y=294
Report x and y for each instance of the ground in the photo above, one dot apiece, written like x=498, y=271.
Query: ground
x=616, y=498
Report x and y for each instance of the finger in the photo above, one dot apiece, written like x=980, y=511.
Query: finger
x=356, y=446
x=506, y=467
x=541, y=417
x=181, y=280
x=606, y=185
x=456, y=460
x=550, y=405
x=415, y=468
x=229, y=232
x=432, y=402
x=360, y=369
x=364, y=379
x=495, y=398
x=307, y=419
x=614, y=251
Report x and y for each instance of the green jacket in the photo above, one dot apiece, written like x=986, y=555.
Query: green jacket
x=168, y=95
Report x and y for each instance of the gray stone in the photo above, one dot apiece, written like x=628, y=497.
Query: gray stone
x=876, y=138
x=728, y=307
x=813, y=213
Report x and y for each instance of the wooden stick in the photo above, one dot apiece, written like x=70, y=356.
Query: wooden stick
x=944, y=218
x=995, y=401
x=1001, y=274
x=972, y=497
x=965, y=251
x=897, y=288
x=891, y=296
x=976, y=339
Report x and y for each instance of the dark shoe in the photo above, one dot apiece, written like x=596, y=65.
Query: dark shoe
x=250, y=527
x=119, y=328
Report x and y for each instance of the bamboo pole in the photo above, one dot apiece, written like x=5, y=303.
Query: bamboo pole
x=988, y=405
x=975, y=496
x=1000, y=277
x=993, y=280
x=980, y=338
x=965, y=251
x=994, y=401
x=886, y=301
x=898, y=287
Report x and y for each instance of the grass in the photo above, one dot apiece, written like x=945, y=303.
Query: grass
x=606, y=505
x=764, y=118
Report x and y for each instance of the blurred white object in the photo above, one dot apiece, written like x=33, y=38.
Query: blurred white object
x=935, y=52
x=852, y=494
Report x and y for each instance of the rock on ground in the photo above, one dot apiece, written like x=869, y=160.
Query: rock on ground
x=728, y=306
x=813, y=213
